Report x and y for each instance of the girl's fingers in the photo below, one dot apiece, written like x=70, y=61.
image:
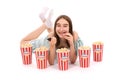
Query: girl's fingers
x=67, y=36
x=53, y=40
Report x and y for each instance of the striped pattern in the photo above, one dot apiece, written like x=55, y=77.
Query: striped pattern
x=26, y=53
x=41, y=59
x=62, y=55
x=84, y=62
x=41, y=63
x=97, y=52
x=84, y=57
x=63, y=64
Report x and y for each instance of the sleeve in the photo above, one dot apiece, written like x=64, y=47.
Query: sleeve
x=77, y=44
x=35, y=44
x=39, y=42
x=46, y=42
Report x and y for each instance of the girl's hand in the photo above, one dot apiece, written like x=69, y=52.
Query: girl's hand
x=53, y=41
x=69, y=37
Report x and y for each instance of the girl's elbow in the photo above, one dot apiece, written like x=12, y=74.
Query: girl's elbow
x=23, y=41
x=72, y=62
x=51, y=63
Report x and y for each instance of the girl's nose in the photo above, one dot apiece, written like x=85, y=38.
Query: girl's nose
x=61, y=29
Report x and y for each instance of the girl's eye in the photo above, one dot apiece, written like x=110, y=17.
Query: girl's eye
x=58, y=25
x=65, y=26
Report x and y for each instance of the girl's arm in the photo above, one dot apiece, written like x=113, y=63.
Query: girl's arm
x=51, y=56
x=35, y=34
x=73, y=55
x=71, y=39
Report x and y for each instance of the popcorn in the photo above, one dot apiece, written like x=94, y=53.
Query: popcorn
x=41, y=51
x=41, y=54
x=63, y=58
x=62, y=52
x=97, y=51
x=26, y=44
x=84, y=56
x=26, y=52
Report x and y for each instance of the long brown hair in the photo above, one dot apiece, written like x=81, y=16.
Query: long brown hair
x=70, y=28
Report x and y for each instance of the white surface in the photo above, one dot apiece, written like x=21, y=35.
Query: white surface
x=93, y=20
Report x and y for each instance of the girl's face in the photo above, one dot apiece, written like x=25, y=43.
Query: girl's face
x=62, y=27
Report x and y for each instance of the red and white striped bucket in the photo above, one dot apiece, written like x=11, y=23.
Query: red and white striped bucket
x=26, y=52
x=41, y=55
x=63, y=64
x=97, y=51
x=41, y=62
x=61, y=54
x=84, y=56
x=84, y=61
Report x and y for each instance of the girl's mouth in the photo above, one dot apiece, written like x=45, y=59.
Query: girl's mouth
x=63, y=33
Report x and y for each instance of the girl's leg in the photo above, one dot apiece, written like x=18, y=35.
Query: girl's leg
x=43, y=13
x=34, y=34
x=47, y=20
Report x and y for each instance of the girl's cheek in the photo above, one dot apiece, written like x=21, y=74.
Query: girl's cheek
x=65, y=30
x=57, y=29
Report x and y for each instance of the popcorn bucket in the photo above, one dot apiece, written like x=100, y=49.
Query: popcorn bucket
x=26, y=52
x=63, y=64
x=63, y=55
x=97, y=51
x=41, y=62
x=41, y=57
x=84, y=56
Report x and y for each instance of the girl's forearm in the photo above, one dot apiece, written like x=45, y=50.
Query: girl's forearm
x=51, y=56
x=72, y=55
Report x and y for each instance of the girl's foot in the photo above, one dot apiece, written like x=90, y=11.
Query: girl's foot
x=48, y=21
x=42, y=14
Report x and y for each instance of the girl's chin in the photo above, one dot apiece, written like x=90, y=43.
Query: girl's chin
x=61, y=36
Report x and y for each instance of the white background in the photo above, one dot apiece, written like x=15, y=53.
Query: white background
x=94, y=20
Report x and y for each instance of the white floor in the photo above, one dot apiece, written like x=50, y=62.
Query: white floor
x=93, y=20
